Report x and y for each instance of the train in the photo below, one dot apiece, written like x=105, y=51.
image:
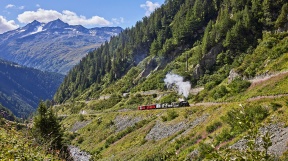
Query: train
x=164, y=105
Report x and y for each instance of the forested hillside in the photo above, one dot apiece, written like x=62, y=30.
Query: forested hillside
x=22, y=88
x=232, y=53
x=230, y=29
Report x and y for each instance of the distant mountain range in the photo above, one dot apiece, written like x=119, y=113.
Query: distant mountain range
x=55, y=46
x=22, y=88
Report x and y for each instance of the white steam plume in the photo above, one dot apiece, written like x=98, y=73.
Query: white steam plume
x=176, y=80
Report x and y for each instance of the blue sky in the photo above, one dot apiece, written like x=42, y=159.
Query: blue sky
x=89, y=13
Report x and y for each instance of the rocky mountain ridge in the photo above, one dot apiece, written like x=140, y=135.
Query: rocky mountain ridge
x=55, y=46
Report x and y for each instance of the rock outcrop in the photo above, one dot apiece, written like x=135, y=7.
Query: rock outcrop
x=232, y=75
x=207, y=61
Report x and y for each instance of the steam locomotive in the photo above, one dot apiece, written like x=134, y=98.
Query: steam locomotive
x=164, y=105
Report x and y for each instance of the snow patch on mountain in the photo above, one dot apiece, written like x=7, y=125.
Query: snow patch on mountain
x=39, y=29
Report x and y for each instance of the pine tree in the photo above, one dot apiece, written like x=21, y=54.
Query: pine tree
x=207, y=39
x=283, y=17
x=47, y=130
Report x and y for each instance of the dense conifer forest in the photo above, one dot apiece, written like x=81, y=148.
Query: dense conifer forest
x=232, y=27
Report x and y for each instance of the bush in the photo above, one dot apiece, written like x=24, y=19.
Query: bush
x=80, y=140
x=238, y=85
x=172, y=97
x=189, y=112
x=81, y=117
x=219, y=92
x=164, y=118
x=213, y=127
x=210, y=85
x=224, y=136
x=172, y=114
x=135, y=99
x=75, y=109
x=275, y=106
x=105, y=104
x=241, y=120
x=204, y=150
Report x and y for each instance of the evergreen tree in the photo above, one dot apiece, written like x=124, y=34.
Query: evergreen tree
x=283, y=17
x=267, y=13
x=208, y=39
x=47, y=130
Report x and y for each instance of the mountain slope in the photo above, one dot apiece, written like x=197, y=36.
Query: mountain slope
x=234, y=54
x=22, y=88
x=216, y=29
x=55, y=46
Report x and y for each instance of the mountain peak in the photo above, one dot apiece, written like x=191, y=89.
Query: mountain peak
x=32, y=26
x=35, y=22
x=56, y=24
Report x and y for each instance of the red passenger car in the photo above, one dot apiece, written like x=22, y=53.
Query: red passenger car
x=146, y=107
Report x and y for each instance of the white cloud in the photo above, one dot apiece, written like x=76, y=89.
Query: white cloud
x=7, y=25
x=69, y=17
x=21, y=7
x=10, y=6
x=118, y=21
x=38, y=5
x=150, y=7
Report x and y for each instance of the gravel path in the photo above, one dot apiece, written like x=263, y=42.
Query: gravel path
x=265, y=77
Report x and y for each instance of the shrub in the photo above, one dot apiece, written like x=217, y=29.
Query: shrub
x=275, y=106
x=172, y=114
x=105, y=104
x=239, y=85
x=223, y=136
x=172, y=97
x=219, y=92
x=75, y=109
x=204, y=150
x=164, y=118
x=210, y=85
x=80, y=140
x=81, y=117
x=189, y=112
x=213, y=127
x=242, y=119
